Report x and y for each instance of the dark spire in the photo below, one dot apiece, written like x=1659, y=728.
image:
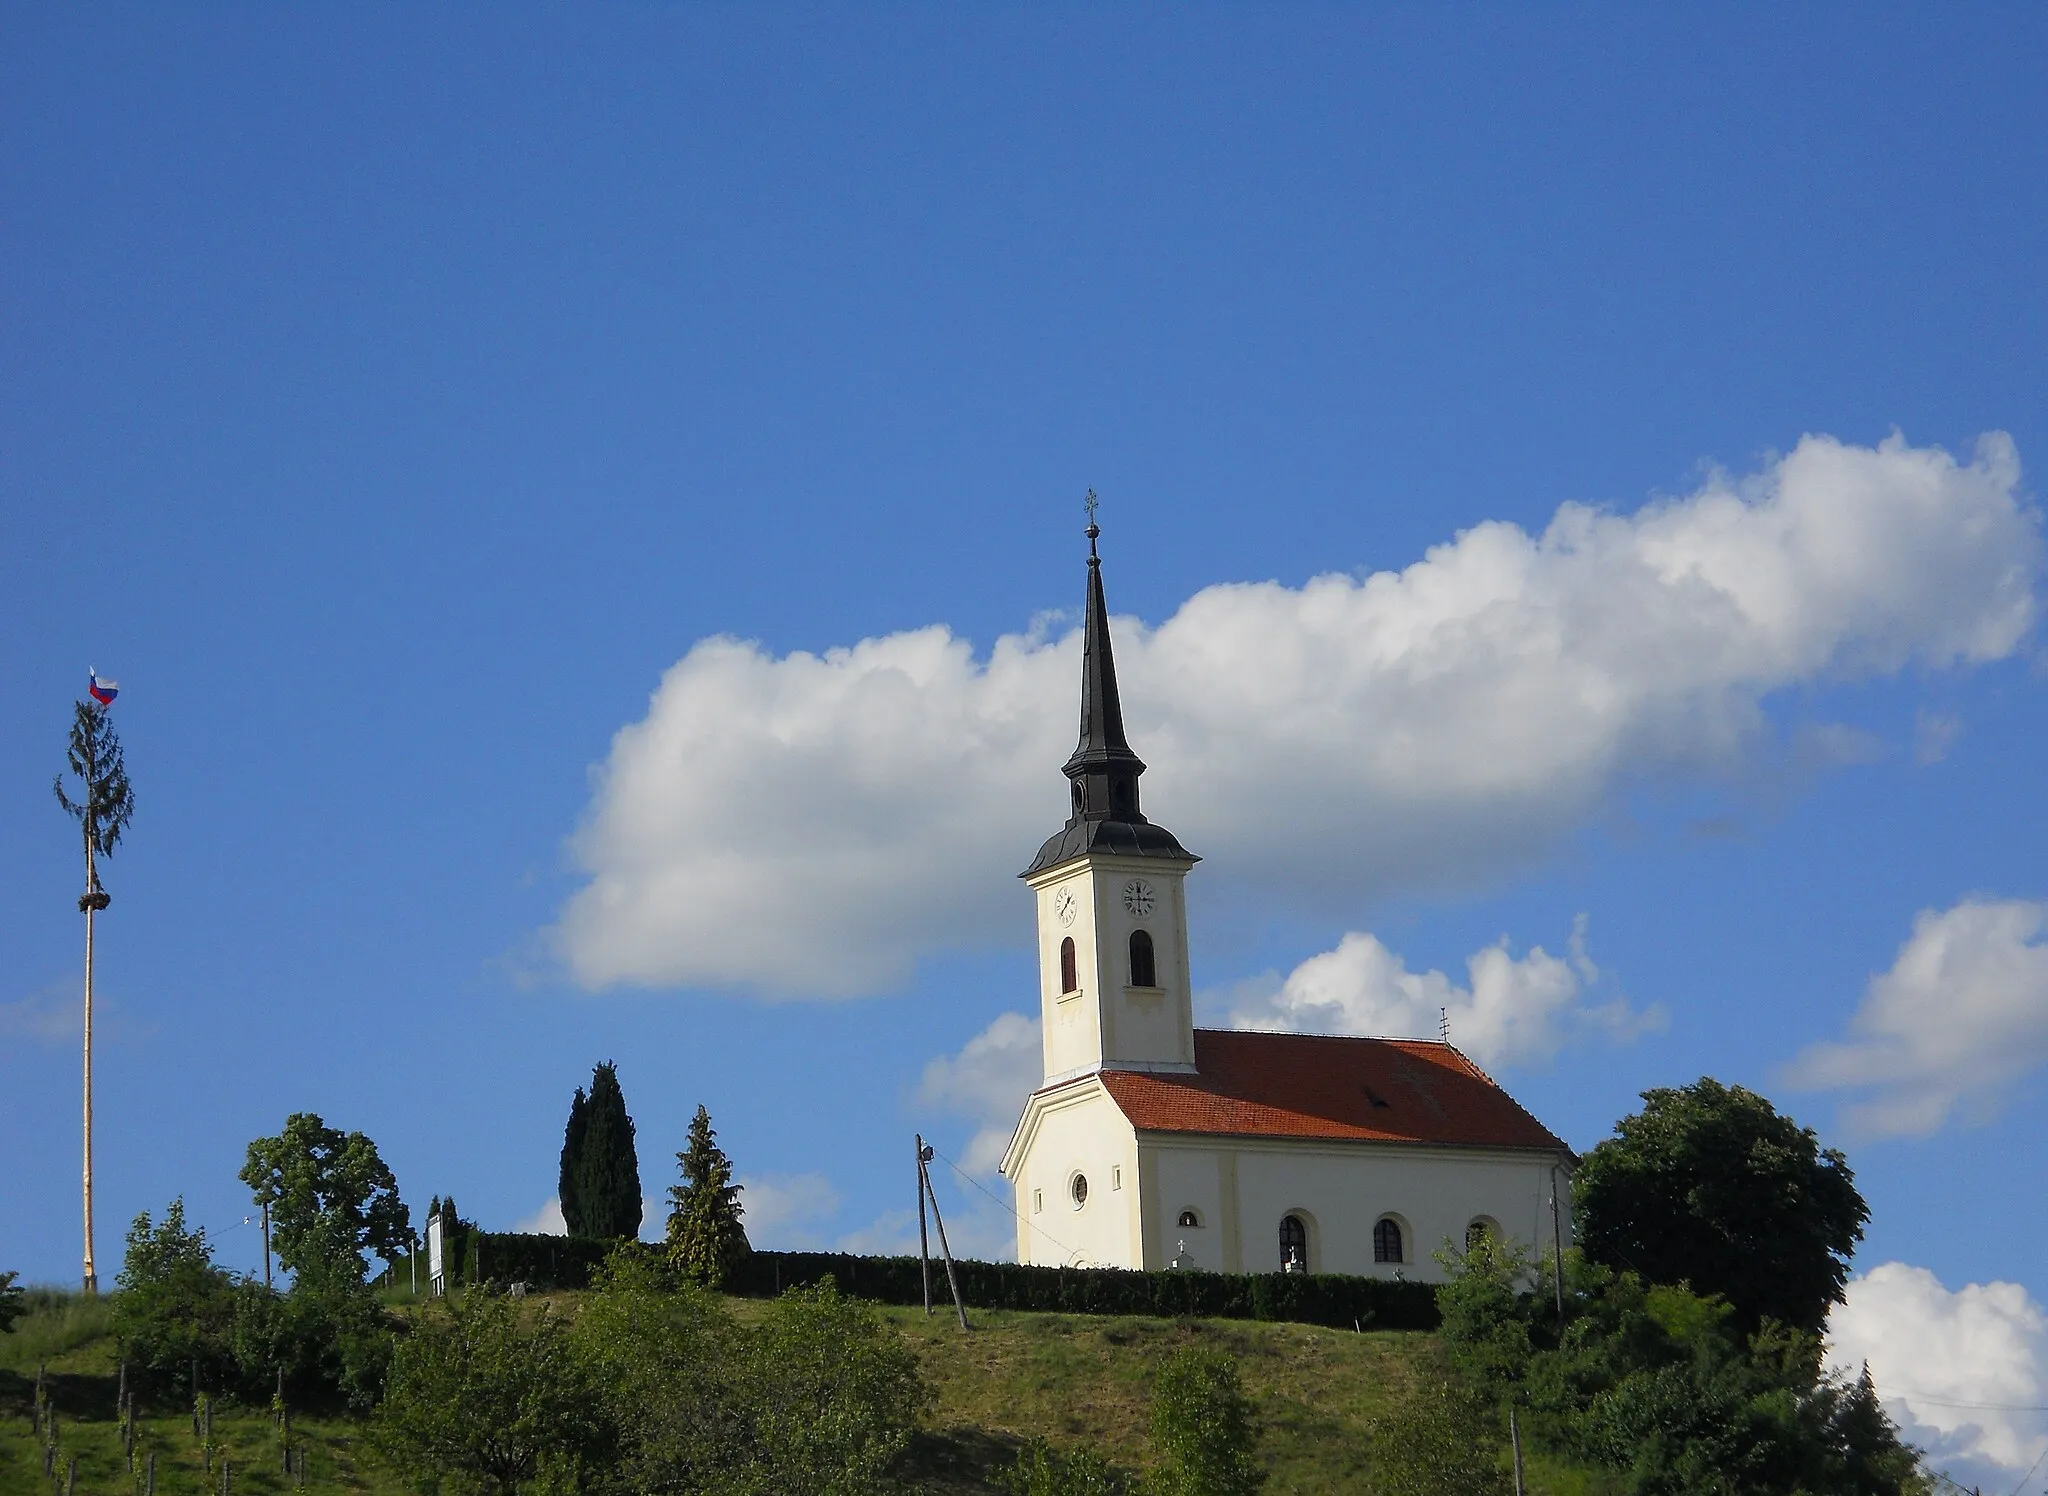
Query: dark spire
x=1103, y=769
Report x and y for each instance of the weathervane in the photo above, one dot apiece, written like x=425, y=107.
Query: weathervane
x=1094, y=529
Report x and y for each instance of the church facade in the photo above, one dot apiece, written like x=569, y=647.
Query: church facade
x=1151, y=1143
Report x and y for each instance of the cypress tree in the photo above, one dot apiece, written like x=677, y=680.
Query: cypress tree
x=705, y=1238
x=607, y=1184
x=570, y=1188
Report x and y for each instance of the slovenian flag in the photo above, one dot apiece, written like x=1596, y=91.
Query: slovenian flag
x=102, y=691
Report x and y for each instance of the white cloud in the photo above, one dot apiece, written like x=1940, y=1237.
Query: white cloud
x=810, y=825
x=784, y=1211
x=1934, y=733
x=1961, y=1016
x=547, y=1221
x=988, y=1081
x=1513, y=1010
x=1964, y=1373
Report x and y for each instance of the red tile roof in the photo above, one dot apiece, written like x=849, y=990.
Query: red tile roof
x=1318, y=1086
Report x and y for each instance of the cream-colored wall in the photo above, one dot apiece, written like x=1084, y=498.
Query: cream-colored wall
x=1078, y=1130
x=1240, y=1188
x=1107, y=1021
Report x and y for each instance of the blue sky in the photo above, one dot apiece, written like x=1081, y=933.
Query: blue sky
x=391, y=401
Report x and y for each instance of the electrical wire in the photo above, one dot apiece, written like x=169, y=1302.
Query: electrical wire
x=1006, y=1205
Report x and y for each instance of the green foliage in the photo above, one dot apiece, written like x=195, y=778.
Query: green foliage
x=1439, y=1443
x=1205, y=1429
x=12, y=1302
x=108, y=802
x=601, y=1179
x=706, y=1241
x=1042, y=1470
x=481, y=1399
x=330, y=1197
x=830, y=1397
x=569, y=1184
x=1485, y=1306
x=1661, y=1386
x=1708, y=1185
x=175, y=1309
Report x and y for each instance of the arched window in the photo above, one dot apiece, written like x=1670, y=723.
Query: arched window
x=1189, y=1221
x=1386, y=1241
x=1069, y=980
x=1143, y=972
x=1293, y=1244
x=1479, y=1233
x=1077, y=1190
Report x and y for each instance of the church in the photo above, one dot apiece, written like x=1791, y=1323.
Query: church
x=1150, y=1143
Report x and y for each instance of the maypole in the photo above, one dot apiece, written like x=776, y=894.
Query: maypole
x=102, y=815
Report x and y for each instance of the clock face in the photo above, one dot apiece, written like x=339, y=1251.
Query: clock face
x=1139, y=897
x=1065, y=906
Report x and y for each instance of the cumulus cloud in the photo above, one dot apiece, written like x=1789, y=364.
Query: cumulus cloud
x=547, y=1221
x=988, y=1081
x=1961, y=1016
x=1512, y=1010
x=810, y=824
x=1964, y=1373
x=785, y=1212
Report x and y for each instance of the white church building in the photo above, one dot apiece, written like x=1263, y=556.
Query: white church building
x=1151, y=1143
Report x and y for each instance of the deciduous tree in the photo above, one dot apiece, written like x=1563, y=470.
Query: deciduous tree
x=1709, y=1185
x=331, y=1199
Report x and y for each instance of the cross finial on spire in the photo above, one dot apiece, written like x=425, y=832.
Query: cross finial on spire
x=1094, y=529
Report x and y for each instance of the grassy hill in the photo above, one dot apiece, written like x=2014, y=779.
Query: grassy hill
x=1067, y=1378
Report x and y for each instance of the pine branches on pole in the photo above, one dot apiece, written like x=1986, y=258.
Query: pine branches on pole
x=106, y=806
x=706, y=1241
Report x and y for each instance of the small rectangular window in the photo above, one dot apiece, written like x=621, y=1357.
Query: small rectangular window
x=1116, y=1178
x=1038, y=1200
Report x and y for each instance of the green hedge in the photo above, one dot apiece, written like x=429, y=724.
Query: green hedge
x=1333, y=1299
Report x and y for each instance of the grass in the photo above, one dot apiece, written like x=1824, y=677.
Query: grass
x=1070, y=1379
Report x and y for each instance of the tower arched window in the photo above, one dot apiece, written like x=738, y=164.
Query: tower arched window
x=1070, y=980
x=1144, y=970
x=1293, y=1244
x=1386, y=1240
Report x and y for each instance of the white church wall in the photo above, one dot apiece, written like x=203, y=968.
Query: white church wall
x=1083, y=1135
x=1341, y=1191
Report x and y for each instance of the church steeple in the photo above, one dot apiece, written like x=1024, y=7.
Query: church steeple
x=1103, y=769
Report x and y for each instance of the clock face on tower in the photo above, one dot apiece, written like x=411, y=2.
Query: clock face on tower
x=1065, y=906
x=1139, y=898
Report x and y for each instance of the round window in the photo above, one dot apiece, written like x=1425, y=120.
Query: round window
x=1079, y=1190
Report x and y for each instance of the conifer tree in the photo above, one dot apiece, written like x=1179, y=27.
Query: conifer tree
x=570, y=1187
x=706, y=1241
x=607, y=1169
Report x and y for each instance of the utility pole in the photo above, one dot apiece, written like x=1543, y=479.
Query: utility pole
x=924, y=1179
x=1557, y=1246
x=266, y=1244
x=924, y=1245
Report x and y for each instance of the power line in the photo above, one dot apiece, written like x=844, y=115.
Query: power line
x=1006, y=1205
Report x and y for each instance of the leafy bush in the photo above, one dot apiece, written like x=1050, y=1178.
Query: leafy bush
x=1204, y=1428
x=11, y=1305
x=1041, y=1470
x=484, y=1400
x=1438, y=1443
x=175, y=1310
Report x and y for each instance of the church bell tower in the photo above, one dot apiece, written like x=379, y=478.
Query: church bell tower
x=1114, y=992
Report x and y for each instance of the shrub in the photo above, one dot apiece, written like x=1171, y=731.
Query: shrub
x=1438, y=1443
x=175, y=1311
x=1041, y=1470
x=1204, y=1428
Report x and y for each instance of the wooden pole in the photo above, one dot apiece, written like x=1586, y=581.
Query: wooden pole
x=924, y=1245
x=1557, y=1246
x=92, y=1277
x=266, y=1244
x=952, y=1278
x=1515, y=1436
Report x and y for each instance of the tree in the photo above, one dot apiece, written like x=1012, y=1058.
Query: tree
x=1041, y=1470
x=706, y=1241
x=1432, y=1445
x=1204, y=1427
x=330, y=1197
x=1709, y=1185
x=12, y=1304
x=485, y=1399
x=103, y=812
x=569, y=1190
x=600, y=1169
x=176, y=1308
